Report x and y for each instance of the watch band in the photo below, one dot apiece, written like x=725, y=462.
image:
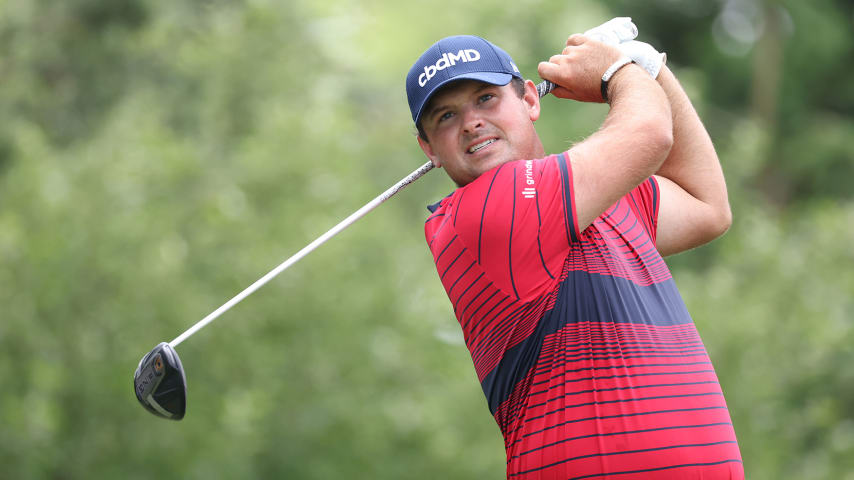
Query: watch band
x=606, y=77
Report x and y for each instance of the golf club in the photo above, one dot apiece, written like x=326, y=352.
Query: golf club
x=159, y=381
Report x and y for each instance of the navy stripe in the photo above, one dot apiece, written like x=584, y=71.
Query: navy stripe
x=442, y=276
x=515, y=365
x=669, y=467
x=634, y=265
x=627, y=432
x=641, y=214
x=628, y=375
x=446, y=247
x=457, y=210
x=474, y=313
x=503, y=320
x=483, y=212
x=610, y=217
x=632, y=345
x=622, y=415
x=626, y=231
x=462, y=313
x=460, y=278
x=622, y=231
x=474, y=331
x=613, y=210
x=621, y=355
x=645, y=450
x=553, y=362
x=567, y=199
x=578, y=300
x=642, y=232
x=638, y=247
x=611, y=367
x=617, y=389
x=690, y=342
x=651, y=254
x=612, y=357
x=577, y=334
x=510, y=239
x=563, y=361
x=509, y=323
x=654, y=184
x=637, y=352
x=439, y=230
x=622, y=400
x=584, y=296
x=539, y=244
x=637, y=348
x=498, y=336
x=684, y=341
x=485, y=315
x=466, y=290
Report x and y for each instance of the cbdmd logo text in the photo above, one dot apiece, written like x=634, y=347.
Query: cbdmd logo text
x=447, y=60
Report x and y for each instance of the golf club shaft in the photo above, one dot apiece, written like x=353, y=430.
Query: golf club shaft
x=542, y=89
x=305, y=251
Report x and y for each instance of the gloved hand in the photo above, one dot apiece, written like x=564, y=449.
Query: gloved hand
x=644, y=55
x=621, y=33
x=614, y=32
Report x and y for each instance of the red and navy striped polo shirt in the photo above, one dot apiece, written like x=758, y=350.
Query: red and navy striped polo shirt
x=589, y=360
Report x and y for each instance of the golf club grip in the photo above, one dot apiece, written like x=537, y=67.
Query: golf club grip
x=613, y=32
x=544, y=88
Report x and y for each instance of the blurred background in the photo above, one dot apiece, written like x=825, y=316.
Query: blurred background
x=157, y=157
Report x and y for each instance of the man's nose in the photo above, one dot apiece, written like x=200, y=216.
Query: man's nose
x=472, y=120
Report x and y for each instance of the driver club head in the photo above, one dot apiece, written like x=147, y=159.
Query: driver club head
x=160, y=384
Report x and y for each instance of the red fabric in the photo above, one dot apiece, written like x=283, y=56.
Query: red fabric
x=588, y=358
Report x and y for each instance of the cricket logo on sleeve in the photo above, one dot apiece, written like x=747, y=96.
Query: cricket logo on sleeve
x=530, y=190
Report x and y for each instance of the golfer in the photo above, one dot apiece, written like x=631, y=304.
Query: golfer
x=589, y=360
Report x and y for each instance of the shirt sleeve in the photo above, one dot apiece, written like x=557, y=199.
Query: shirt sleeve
x=644, y=201
x=518, y=220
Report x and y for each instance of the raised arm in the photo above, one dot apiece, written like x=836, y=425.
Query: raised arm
x=694, y=208
x=635, y=137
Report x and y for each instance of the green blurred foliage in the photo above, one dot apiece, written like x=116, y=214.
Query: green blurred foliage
x=158, y=157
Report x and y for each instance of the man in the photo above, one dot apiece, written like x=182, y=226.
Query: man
x=589, y=361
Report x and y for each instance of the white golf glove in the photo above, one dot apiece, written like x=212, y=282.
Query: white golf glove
x=614, y=32
x=644, y=55
x=621, y=33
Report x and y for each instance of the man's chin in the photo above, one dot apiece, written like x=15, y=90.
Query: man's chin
x=479, y=166
x=488, y=163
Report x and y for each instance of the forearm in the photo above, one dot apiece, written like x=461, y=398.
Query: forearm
x=692, y=163
x=629, y=147
x=634, y=139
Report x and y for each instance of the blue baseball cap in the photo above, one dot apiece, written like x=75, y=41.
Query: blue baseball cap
x=461, y=57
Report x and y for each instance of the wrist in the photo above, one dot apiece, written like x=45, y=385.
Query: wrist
x=609, y=75
x=627, y=78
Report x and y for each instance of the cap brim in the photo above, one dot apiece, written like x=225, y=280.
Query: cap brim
x=493, y=78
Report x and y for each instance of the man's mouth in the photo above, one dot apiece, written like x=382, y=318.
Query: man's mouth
x=474, y=148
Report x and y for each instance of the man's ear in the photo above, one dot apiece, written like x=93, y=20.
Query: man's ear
x=532, y=100
x=428, y=150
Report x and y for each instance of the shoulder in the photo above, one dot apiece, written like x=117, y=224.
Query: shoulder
x=522, y=172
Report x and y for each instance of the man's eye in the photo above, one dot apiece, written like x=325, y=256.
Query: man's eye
x=486, y=97
x=445, y=116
